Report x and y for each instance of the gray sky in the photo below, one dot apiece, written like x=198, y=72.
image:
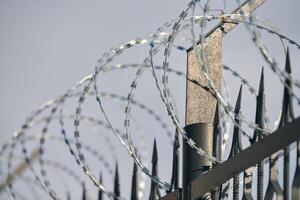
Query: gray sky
x=47, y=46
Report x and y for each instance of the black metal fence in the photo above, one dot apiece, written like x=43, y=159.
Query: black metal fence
x=250, y=183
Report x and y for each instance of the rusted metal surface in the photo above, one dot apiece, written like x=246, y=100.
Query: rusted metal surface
x=247, y=158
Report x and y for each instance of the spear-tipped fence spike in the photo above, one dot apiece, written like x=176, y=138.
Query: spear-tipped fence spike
x=287, y=105
x=217, y=140
x=83, y=192
x=260, y=109
x=288, y=62
x=261, y=82
x=175, y=164
x=239, y=101
x=100, y=192
x=288, y=69
x=236, y=140
x=154, y=153
x=217, y=117
x=296, y=180
x=217, y=134
x=236, y=143
x=68, y=196
x=259, y=120
x=154, y=187
x=286, y=115
x=134, y=183
x=117, y=183
x=176, y=145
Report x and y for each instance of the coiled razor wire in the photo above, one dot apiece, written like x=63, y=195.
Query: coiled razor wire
x=228, y=107
x=66, y=170
x=155, y=41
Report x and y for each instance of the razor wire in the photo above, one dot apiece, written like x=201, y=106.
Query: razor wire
x=160, y=39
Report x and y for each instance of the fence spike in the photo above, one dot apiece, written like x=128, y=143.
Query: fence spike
x=117, y=183
x=154, y=190
x=217, y=134
x=273, y=185
x=238, y=101
x=68, y=196
x=286, y=102
x=236, y=142
x=262, y=82
x=100, y=192
x=259, y=119
x=288, y=68
x=175, y=163
x=134, y=183
x=286, y=115
x=258, y=135
x=83, y=191
x=217, y=142
x=154, y=153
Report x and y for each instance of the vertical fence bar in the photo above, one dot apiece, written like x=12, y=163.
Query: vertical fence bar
x=236, y=144
x=286, y=115
x=258, y=135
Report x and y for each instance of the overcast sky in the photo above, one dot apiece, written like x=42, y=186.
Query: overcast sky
x=47, y=46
